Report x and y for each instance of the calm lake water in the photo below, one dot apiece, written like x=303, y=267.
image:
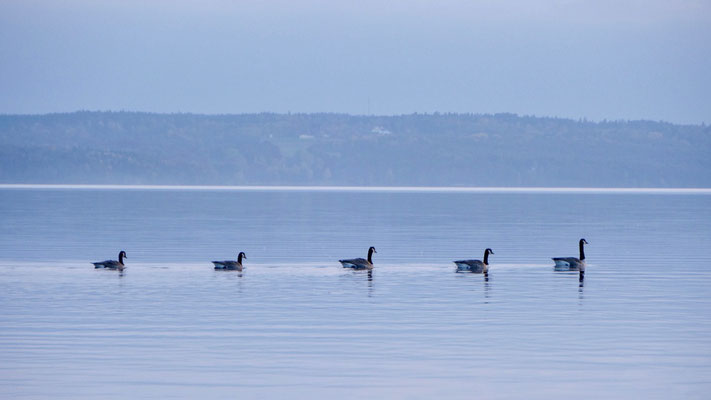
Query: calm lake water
x=295, y=324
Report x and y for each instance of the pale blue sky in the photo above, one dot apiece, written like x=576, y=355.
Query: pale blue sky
x=579, y=59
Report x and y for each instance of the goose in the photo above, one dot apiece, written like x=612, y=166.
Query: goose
x=360, y=263
x=112, y=264
x=231, y=265
x=572, y=263
x=475, y=266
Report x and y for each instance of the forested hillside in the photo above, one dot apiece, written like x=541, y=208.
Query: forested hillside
x=338, y=149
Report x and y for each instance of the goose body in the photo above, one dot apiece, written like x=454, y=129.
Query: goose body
x=360, y=263
x=112, y=264
x=475, y=266
x=572, y=263
x=230, y=264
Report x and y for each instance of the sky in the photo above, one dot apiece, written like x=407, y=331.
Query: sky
x=601, y=59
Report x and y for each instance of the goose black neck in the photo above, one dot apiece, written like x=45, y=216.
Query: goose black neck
x=370, y=255
x=239, y=258
x=582, y=252
x=486, y=257
x=121, y=257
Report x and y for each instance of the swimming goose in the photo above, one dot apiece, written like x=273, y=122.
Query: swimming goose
x=572, y=263
x=360, y=263
x=112, y=264
x=231, y=265
x=475, y=266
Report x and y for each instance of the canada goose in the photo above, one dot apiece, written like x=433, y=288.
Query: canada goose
x=475, y=266
x=112, y=264
x=360, y=263
x=231, y=265
x=572, y=263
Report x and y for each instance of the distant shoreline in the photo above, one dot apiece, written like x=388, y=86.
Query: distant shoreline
x=377, y=189
x=434, y=150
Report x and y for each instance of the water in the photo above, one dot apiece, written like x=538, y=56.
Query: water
x=295, y=324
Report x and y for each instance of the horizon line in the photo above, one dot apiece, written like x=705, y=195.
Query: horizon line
x=382, y=189
x=427, y=113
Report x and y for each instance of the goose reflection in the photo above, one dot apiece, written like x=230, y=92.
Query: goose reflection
x=368, y=274
x=579, y=273
x=487, y=289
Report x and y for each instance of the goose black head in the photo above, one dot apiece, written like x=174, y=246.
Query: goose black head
x=241, y=254
x=372, y=249
x=489, y=251
x=122, y=254
x=583, y=241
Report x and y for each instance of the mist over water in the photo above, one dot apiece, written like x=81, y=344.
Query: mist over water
x=296, y=324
